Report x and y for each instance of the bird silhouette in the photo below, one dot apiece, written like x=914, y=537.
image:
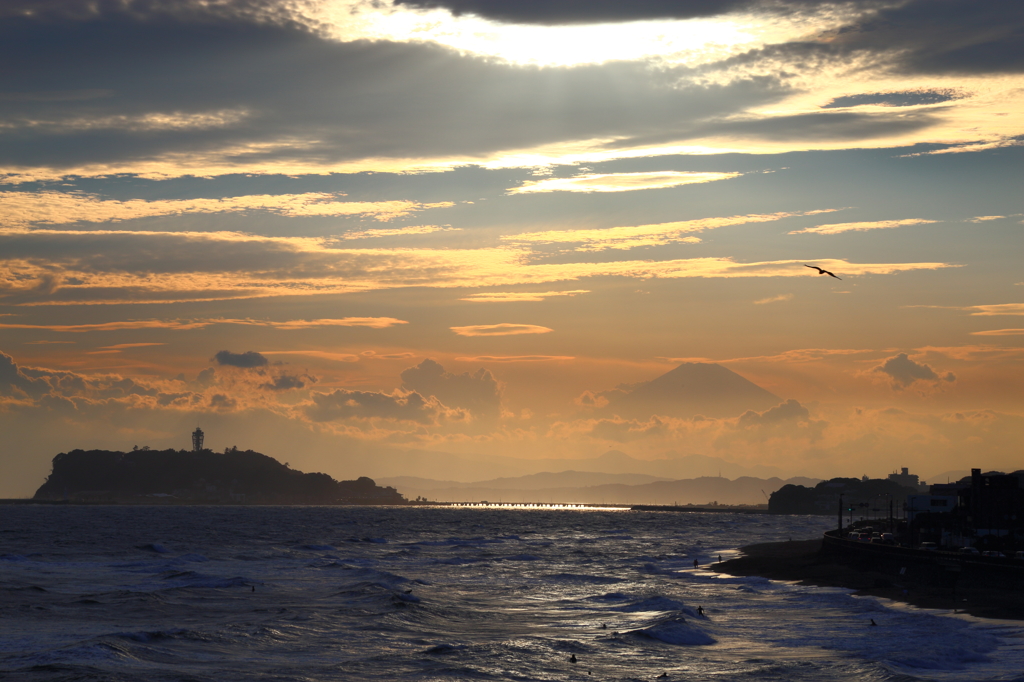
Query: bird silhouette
x=822, y=271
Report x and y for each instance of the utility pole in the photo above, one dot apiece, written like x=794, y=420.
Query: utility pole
x=840, y=514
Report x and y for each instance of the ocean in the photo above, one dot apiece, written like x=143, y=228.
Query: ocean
x=419, y=593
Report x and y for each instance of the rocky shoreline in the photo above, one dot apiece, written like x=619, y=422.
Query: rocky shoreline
x=803, y=561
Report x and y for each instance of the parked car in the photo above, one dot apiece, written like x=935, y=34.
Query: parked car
x=930, y=546
x=992, y=552
x=1018, y=555
x=973, y=551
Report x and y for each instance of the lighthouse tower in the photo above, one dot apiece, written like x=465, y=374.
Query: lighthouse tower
x=197, y=440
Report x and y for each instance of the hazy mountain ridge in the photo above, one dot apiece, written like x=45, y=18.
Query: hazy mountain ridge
x=545, y=479
x=743, y=490
x=475, y=468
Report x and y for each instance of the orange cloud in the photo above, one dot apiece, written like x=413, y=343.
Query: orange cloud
x=1000, y=332
x=986, y=218
x=339, y=357
x=516, y=358
x=621, y=182
x=372, y=322
x=102, y=266
x=119, y=346
x=629, y=237
x=515, y=297
x=837, y=228
x=21, y=209
x=387, y=356
x=503, y=329
x=110, y=326
x=996, y=309
x=398, y=231
x=774, y=299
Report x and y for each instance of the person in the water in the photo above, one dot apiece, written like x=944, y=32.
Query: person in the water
x=695, y=563
x=700, y=611
x=572, y=658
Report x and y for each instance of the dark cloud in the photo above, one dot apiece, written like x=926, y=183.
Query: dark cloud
x=846, y=126
x=345, y=404
x=624, y=431
x=280, y=82
x=64, y=390
x=286, y=382
x=247, y=360
x=905, y=98
x=57, y=403
x=221, y=402
x=97, y=82
x=207, y=377
x=478, y=392
x=552, y=12
x=945, y=36
x=789, y=411
x=919, y=37
x=13, y=381
x=786, y=420
x=903, y=372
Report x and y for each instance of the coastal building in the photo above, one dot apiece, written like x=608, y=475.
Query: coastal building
x=994, y=504
x=981, y=510
x=908, y=480
x=929, y=504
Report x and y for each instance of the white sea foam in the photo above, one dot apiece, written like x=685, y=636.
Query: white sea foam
x=676, y=631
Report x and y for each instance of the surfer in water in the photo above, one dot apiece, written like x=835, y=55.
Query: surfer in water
x=700, y=611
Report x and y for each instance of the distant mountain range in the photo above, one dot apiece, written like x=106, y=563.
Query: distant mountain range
x=579, y=487
x=541, y=481
x=692, y=388
x=480, y=467
x=948, y=476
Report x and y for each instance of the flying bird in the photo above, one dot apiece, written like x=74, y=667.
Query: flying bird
x=822, y=271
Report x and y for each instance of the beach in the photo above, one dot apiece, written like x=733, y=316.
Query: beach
x=802, y=561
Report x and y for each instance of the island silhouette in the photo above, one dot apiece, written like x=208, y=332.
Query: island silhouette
x=199, y=477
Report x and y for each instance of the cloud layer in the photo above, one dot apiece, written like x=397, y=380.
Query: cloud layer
x=231, y=87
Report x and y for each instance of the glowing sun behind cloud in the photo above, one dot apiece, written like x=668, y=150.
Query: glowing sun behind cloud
x=691, y=41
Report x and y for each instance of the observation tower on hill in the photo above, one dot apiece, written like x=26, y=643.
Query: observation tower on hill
x=197, y=440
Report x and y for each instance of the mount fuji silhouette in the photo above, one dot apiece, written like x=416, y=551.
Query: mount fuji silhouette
x=692, y=388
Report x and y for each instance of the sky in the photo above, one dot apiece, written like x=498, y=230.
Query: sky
x=336, y=230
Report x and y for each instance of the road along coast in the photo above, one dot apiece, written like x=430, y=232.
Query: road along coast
x=808, y=563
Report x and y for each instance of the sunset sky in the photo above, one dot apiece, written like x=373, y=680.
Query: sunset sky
x=333, y=230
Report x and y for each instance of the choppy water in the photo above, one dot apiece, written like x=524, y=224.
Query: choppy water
x=165, y=593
